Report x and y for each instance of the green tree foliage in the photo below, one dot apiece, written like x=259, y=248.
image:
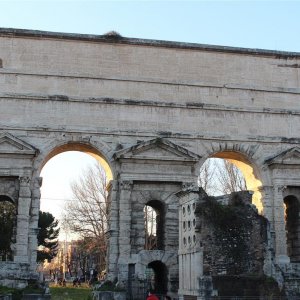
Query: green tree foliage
x=7, y=227
x=47, y=237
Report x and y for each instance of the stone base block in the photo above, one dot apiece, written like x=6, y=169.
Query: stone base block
x=106, y=295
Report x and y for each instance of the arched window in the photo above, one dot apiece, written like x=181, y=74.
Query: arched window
x=292, y=225
x=7, y=227
x=154, y=225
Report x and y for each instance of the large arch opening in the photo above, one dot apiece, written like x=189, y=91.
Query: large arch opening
x=8, y=212
x=244, y=170
x=76, y=177
x=292, y=226
x=159, y=280
x=154, y=215
x=83, y=148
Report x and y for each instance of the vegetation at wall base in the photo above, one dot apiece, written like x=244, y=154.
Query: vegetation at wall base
x=16, y=294
x=109, y=286
x=32, y=288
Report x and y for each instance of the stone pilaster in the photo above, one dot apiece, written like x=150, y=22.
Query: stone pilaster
x=279, y=226
x=34, y=218
x=24, y=203
x=267, y=202
x=125, y=188
x=113, y=231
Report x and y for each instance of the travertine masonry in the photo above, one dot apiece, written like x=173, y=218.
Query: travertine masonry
x=152, y=112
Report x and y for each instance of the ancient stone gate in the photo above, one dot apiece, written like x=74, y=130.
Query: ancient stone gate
x=152, y=112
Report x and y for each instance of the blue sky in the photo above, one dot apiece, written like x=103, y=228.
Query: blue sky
x=254, y=24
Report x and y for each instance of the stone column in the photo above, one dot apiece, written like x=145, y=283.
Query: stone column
x=113, y=231
x=34, y=219
x=279, y=226
x=125, y=188
x=23, y=221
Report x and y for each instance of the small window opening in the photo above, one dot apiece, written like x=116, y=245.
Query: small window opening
x=189, y=209
x=154, y=225
x=131, y=271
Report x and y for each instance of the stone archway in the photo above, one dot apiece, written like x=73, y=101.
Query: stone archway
x=246, y=164
x=160, y=278
x=84, y=147
x=151, y=118
x=59, y=153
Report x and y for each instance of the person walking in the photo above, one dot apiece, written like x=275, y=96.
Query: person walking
x=152, y=296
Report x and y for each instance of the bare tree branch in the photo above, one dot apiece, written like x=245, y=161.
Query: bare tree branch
x=87, y=214
x=219, y=176
x=230, y=178
x=205, y=179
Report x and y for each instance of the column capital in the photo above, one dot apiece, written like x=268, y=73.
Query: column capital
x=189, y=186
x=24, y=181
x=25, y=191
x=126, y=184
x=280, y=188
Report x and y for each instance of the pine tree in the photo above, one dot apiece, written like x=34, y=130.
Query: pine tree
x=47, y=237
